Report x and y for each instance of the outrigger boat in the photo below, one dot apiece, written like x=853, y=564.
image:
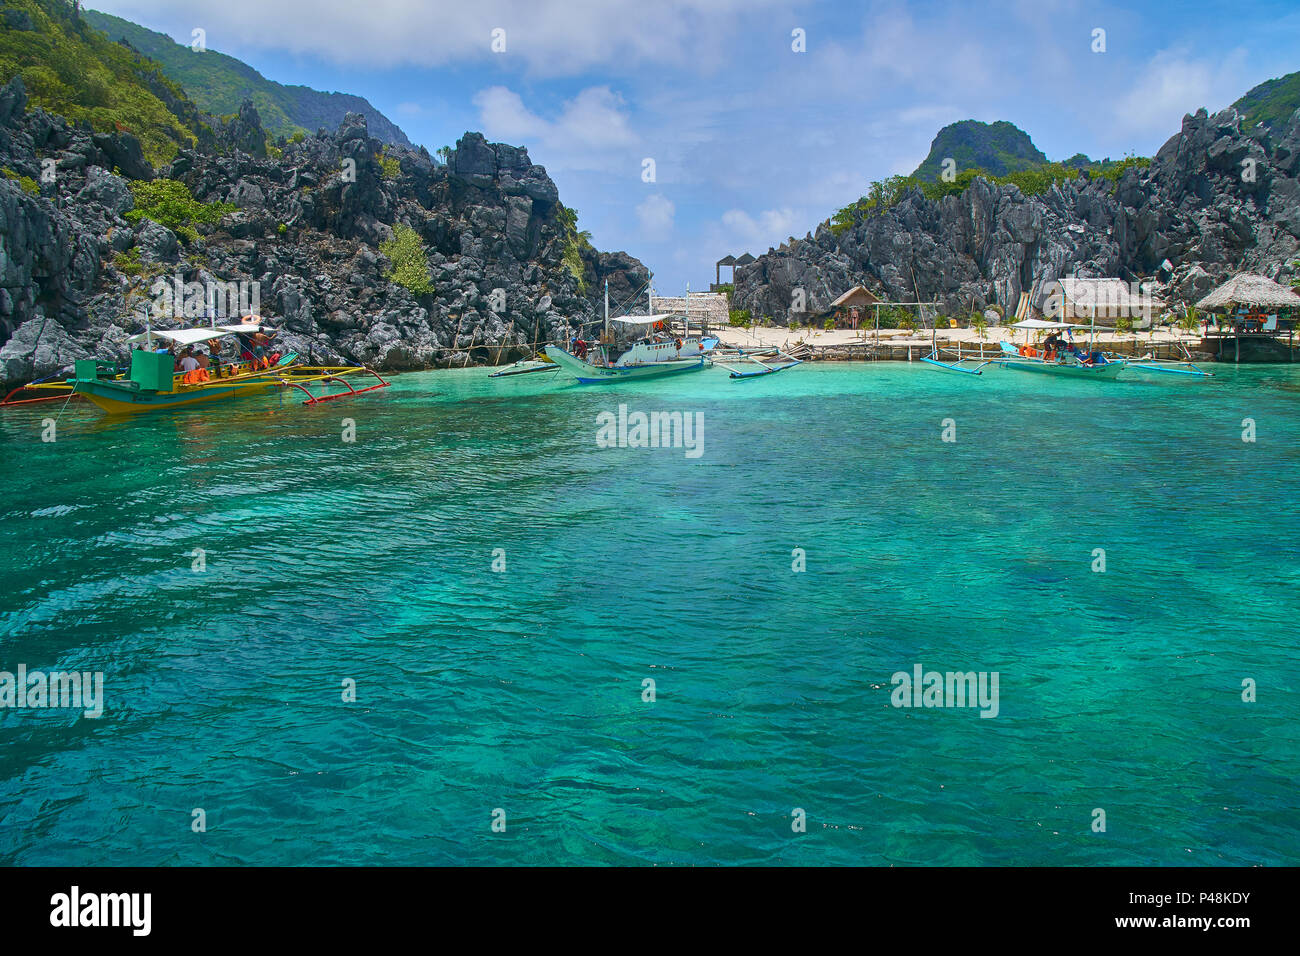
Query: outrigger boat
x=643, y=358
x=752, y=358
x=633, y=351
x=152, y=384
x=1065, y=359
x=1072, y=362
x=51, y=389
x=527, y=366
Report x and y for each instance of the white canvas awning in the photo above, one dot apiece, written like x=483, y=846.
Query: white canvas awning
x=1041, y=324
x=245, y=327
x=639, y=319
x=190, y=336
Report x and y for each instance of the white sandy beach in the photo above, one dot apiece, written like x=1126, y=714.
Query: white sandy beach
x=782, y=337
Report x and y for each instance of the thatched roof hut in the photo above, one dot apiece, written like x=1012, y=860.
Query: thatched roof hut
x=859, y=297
x=1251, y=290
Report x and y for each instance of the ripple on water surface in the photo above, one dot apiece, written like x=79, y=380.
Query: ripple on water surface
x=327, y=561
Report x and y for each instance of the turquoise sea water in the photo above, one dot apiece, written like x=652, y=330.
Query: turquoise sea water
x=522, y=689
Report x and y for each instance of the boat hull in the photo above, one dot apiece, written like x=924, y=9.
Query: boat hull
x=1068, y=368
x=588, y=374
x=116, y=399
x=1097, y=372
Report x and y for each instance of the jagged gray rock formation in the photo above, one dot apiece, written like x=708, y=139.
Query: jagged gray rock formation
x=1216, y=199
x=75, y=274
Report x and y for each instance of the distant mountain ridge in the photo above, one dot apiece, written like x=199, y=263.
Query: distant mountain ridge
x=1271, y=103
x=998, y=148
x=73, y=70
x=219, y=83
x=1182, y=221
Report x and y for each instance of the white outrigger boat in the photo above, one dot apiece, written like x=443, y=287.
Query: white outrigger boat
x=754, y=357
x=525, y=367
x=634, y=350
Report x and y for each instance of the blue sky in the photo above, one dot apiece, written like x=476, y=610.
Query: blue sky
x=752, y=141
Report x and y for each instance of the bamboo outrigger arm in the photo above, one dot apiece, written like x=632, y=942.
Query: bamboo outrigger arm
x=331, y=374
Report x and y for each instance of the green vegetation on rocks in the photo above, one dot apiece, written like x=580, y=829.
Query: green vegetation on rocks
x=574, y=243
x=27, y=184
x=169, y=203
x=1271, y=103
x=999, y=148
x=410, y=264
x=390, y=165
x=71, y=69
x=889, y=192
x=219, y=84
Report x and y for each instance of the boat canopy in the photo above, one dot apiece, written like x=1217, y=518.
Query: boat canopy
x=190, y=336
x=1041, y=324
x=639, y=319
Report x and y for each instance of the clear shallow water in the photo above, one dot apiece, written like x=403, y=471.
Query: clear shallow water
x=522, y=690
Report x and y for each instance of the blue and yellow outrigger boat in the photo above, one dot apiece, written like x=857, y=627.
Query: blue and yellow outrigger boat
x=152, y=384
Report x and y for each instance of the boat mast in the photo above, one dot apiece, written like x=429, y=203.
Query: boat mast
x=687, y=320
x=607, y=310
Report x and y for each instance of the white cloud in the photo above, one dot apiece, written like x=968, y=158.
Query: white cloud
x=504, y=117
x=1173, y=84
x=548, y=37
x=771, y=228
x=656, y=215
x=596, y=118
x=591, y=131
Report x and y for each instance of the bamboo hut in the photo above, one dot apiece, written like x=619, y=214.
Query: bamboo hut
x=850, y=307
x=1251, y=291
x=1258, y=310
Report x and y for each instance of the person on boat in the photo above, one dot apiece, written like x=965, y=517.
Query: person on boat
x=214, y=357
x=580, y=348
x=1053, y=344
x=191, y=373
x=255, y=351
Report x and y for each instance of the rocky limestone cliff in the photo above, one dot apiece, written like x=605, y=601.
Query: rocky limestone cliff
x=75, y=273
x=1193, y=207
